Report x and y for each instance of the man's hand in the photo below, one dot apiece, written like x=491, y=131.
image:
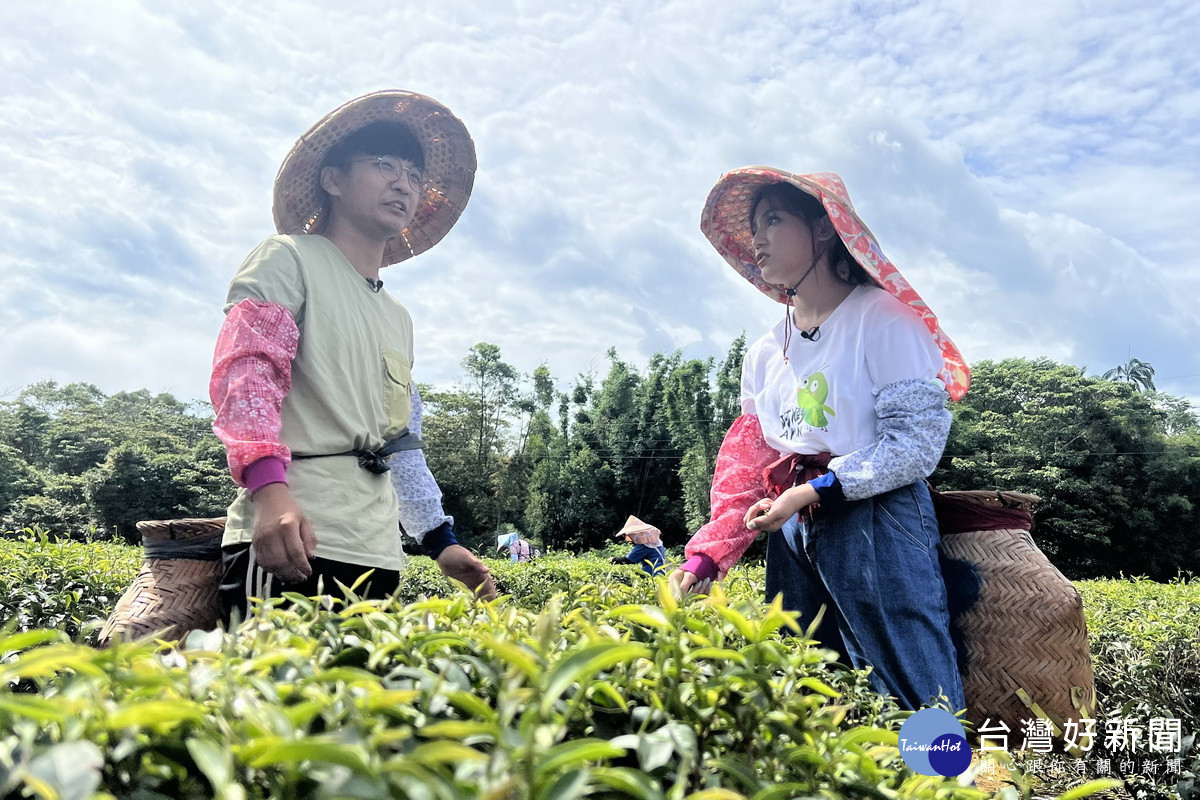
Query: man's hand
x=459, y=563
x=283, y=538
x=769, y=515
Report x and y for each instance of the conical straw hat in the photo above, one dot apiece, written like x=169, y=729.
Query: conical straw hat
x=450, y=164
x=640, y=532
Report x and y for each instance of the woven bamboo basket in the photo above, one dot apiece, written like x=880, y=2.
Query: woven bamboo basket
x=174, y=595
x=1018, y=622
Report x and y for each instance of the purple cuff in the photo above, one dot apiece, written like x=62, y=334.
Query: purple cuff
x=703, y=567
x=269, y=469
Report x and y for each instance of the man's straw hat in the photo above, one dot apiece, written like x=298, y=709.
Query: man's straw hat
x=300, y=205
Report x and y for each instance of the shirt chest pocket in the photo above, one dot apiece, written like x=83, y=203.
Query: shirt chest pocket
x=397, y=389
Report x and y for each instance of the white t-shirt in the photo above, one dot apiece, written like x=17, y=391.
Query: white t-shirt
x=823, y=398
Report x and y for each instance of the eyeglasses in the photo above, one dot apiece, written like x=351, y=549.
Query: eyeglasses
x=392, y=170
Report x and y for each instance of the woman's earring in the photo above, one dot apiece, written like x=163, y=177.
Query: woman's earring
x=843, y=270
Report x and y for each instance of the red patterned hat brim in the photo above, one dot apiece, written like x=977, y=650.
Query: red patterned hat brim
x=726, y=223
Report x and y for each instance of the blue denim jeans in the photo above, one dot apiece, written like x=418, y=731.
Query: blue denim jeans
x=873, y=564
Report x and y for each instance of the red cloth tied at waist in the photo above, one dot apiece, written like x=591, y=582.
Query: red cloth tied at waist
x=792, y=470
x=960, y=514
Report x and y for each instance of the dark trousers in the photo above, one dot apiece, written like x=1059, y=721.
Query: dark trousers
x=873, y=565
x=242, y=578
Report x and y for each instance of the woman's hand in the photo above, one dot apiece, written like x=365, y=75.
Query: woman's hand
x=683, y=582
x=769, y=515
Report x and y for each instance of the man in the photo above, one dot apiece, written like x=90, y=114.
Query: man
x=312, y=387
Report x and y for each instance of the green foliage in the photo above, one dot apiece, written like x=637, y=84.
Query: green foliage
x=585, y=675
x=126, y=488
x=17, y=479
x=1119, y=493
x=467, y=445
x=48, y=513
x=567, y=503
x=1145, y=640
x=1137, y=373
x=64, y=585
x=72, y=458
x=654, y=437
x=1117, y=464
x=452, y=698
x=728, y=397
x=1145, y=643
x=135, y=484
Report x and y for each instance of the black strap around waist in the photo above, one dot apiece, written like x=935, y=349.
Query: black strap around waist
x=375, y=461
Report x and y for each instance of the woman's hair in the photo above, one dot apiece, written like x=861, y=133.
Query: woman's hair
x=382, y=138
x=800, y=203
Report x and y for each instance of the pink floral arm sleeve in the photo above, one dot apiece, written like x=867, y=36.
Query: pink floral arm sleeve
x=737, y=484
x=252, y=373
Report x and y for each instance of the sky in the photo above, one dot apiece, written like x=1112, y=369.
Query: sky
x=1032, y=168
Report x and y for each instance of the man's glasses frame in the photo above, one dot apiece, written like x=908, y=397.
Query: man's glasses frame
x=393, y=169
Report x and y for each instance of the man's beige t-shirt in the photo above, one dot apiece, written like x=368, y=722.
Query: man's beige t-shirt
x=350, y=391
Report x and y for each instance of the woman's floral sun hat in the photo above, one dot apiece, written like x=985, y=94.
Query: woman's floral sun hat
x=726, y=222
x=450, y=164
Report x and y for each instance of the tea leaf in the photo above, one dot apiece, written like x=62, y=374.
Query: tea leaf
x=585, y=663
x=319, y=749
x=445, y=752
x=155, y=713
x=70, y=771
x=213, y=760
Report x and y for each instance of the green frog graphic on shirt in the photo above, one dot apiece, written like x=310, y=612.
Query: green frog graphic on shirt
x=810, y=398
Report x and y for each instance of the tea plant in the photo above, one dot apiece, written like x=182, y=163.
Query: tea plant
x=449, y=697
x=48, y=583
x=433, y=695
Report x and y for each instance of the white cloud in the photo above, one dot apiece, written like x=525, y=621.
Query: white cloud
x=1032, y=169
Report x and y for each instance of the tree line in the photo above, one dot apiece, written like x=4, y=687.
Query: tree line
x=1117, y=464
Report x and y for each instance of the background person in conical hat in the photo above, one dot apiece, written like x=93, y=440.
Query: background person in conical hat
x=843, y=417
x=518, y=549
x=312, y=385
x=648, y=550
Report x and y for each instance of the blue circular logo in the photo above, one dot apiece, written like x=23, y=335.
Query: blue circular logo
x=932, y=742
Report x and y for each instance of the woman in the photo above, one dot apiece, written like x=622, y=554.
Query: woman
x=843, y=416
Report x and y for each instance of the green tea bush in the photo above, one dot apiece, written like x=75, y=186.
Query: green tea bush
x=448, y=697
x=62, y=584
x=533, y=584
x=1145, y=642
x=692, y=684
